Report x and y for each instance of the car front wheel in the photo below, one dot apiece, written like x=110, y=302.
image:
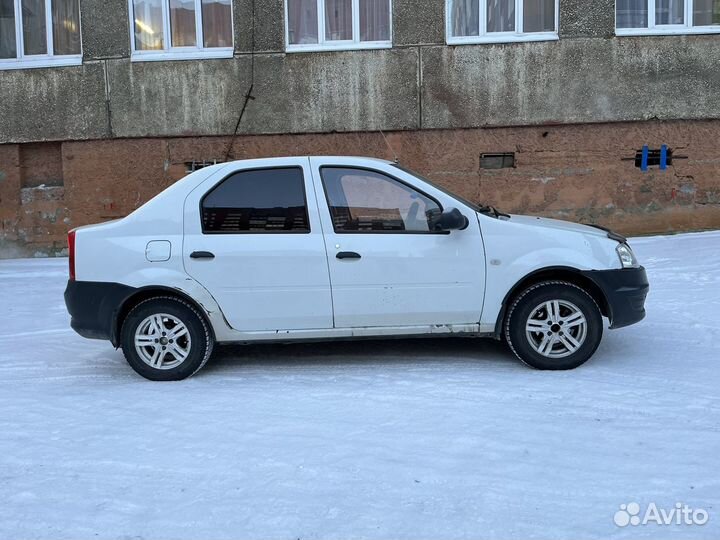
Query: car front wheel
x=554, y=325
x=166, y=339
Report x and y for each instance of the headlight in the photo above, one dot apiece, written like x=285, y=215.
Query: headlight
x=627, y=257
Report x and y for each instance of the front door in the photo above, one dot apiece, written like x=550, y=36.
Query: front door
x=387, y=268
x=258, y=247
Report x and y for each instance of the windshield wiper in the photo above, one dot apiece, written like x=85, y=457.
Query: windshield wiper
x=492, y=211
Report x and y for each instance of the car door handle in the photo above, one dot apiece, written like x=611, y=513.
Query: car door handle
x=202, y=255
x=347, y=255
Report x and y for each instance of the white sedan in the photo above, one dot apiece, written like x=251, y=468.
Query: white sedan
x=323, y=248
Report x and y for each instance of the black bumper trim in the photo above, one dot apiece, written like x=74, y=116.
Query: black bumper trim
x=625, y=291
x=94, y=306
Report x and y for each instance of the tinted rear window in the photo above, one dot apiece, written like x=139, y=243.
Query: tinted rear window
x=263, y=200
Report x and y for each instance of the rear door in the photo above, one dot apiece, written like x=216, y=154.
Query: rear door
x=387, y=268
x=253, y=239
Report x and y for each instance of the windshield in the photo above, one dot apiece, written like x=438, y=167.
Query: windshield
x=472, y=205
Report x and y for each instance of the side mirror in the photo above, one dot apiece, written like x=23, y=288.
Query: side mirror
x=450, y=220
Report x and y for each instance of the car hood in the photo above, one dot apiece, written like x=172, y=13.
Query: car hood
x=557, y=224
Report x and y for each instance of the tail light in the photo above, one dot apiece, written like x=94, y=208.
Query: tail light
x=71, y=253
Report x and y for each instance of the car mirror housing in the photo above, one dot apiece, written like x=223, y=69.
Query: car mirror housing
x=450, y=220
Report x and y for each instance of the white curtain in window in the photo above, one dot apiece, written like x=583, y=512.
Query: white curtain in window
x=302, y=22
x=538, y=15
x=669, y=11
x=148, y=24
x=465, y=18
x=8, y=45
x=33, y=26
x=338, y=20
x=500, y=15
x=632, y=13
x=182, y=23
x=217, y=23
x=706, y=12
x=374, y=20
x=66, y=26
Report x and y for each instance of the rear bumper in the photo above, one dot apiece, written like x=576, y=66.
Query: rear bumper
x=94, y=306
x=625, y=291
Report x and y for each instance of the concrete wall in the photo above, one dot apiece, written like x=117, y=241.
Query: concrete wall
x=572, y=81
x=587, y=76
x=362, y=92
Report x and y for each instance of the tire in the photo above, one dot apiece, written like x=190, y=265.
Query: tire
x=174, y=341
x=554, y=325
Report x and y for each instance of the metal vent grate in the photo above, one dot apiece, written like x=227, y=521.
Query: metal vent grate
x=192, y=166
x=501, y=160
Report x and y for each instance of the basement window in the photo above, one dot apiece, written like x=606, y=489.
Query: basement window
x=503, y=160
x=39, y=33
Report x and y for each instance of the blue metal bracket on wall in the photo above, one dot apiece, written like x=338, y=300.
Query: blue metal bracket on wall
x=663, y=157
x=645, y=158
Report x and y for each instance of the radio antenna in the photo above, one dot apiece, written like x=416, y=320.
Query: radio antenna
x=395, y=157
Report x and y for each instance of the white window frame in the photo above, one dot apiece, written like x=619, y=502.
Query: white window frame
x=353, y=44
x=168, y=52
x=50, y=59
x=499, y=37
x=666, y=29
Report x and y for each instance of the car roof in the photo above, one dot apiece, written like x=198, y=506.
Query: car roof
x=323, y=157
x=338, y=160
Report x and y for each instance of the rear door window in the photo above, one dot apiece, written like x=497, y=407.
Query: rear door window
x=257, y=201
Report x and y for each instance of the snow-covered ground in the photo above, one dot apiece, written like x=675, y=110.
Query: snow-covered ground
x=430, y=439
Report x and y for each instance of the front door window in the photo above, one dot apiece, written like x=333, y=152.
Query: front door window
x=363, y=201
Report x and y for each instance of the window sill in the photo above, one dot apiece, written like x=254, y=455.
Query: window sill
x=503, y=38
x=314, y=47
x=670, y=31
x=185, y=54
x=40, y=62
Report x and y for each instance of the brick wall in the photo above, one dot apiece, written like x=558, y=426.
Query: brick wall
x=583, y=173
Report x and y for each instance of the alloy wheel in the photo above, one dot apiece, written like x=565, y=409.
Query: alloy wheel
x=162, y=341
x=556, y=328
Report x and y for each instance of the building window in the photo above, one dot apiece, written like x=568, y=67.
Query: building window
x=181, y=29
x=653, y=17
x=341, y=24
x=39, y=33
x=498, y=21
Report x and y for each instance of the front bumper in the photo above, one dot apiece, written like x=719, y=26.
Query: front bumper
x=94, y=306
x=625, y=291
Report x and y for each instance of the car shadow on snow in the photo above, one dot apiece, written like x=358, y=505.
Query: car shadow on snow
x=365, y=352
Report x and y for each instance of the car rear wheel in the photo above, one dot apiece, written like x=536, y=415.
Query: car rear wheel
x=166, y=339
x=554, y=325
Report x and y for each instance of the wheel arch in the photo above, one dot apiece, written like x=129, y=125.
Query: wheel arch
x=145, y=293
x=554, y=273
